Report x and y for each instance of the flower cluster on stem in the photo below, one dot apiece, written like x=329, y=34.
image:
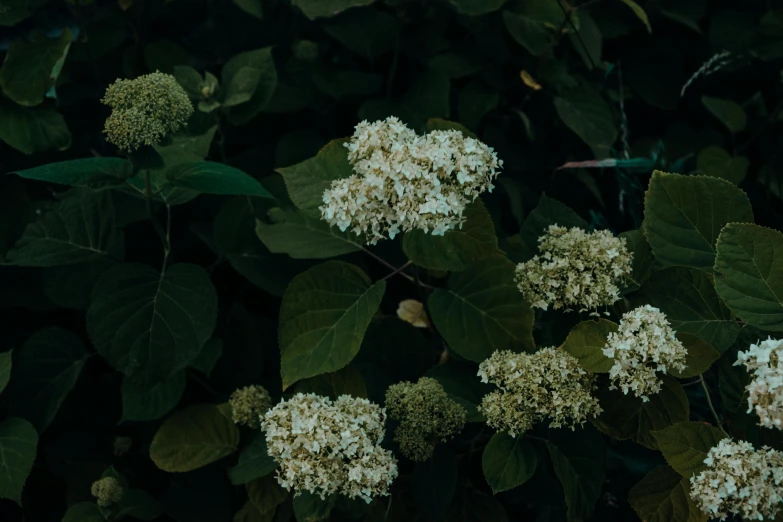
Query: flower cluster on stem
x=765, y=391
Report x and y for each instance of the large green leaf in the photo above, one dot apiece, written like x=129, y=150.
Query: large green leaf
x=71, y=286
x=324, y=315
x=699, y=358
x=367, y=32
x=150, y=325
x=84, y=512
x=729, y=112
x=29, y=70
x=508, y=461
x=683, y=216
x=254, y=462
x=691, y=304
x=88, y=172
x=664, y=496
x=309, y=507
x=30, y=130
x=716, y=162
x=579, y=459
x=749, y=274
x=18, y=443
x=215, y=178
x=78, y=229
x=482, y=311
x=326, y=8
x=139, y=504
x=6, y=359
x=639, y=12
x=685, y=445
x=533, y=24
x=586, y=113
x=46, y=370
x=192, y=438
x=302, y=237
x=457, y=248
x=307, y=181
x=643, y=260
x=142, y=402
x=477, y=7
x=586, y=341
x=253, y=73
x=548, y=212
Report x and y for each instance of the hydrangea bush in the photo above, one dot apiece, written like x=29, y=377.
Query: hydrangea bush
x=391, y=260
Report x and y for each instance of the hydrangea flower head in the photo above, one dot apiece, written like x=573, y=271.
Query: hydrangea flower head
x=740, y=480
x=765, y=391
x=249, y=404
x=547, y=384
x=327, y=447
x=427, y=416
x=145, y=110
x=107, y=491
x=403, y=181
x=575, y=269
x=643, y=345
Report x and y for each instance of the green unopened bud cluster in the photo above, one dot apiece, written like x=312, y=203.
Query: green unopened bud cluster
x=145, y=110
x=107, y=491
x=426, y=414
x=248, y=404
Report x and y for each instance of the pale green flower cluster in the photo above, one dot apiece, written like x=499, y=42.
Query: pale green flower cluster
x=740, y=480
x=765, y=390
x=249, y=404
x=107, y=491
x=575, y=270
x=548, y=384
x=145, y=110
x=327, y=447
x=426, y=414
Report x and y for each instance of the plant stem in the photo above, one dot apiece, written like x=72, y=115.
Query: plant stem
x=403, y=267
x=164, y=236
x=393, y=268
x=712, y=407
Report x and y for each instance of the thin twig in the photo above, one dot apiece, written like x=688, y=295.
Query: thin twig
x=567, y=14
x=158, y=228
x=393, y=268
x=712, y=407
x=403, y=267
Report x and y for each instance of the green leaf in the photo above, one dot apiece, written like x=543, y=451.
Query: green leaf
x=307, y=181
x=473, y=505
x=149, y=325
x=29, y=68
x=482, y=311
x=302, y=237
x=643, y=259
x=346, y=381
x=508, y=461
x=84, y=512
x=691, y=304
x=215, y=178
x=664, y=496
x=477, y=7
x=18, y=443
x=254, y=462
x=266, y=494
x=139, y=504
x=46, y=370
x=309, y=507
x=730, y=113
x=324, y=315
x=249, y=513
x=367, y=32
x=192, y=438
x=749, y=274
x=699, y=359
x=93, y=173
x=71, y=286
x=434, y=483
x=6, y=359
x=716, y=162
x=586, y=113
x=579, y=459
x=460, y=383
x=639, y=12
x=249, y=80
x=251, y=7
x=427, y=98
x=142, y=402
x=208, y=356
x=457, y=248
x=685, y=445
x=628, y=417
x=548, y=212
x=586, y=341
x=534, y=24
x=327, y=8
x=683, y=216
x=30, y=130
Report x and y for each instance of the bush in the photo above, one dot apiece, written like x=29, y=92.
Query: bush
x=437, y=260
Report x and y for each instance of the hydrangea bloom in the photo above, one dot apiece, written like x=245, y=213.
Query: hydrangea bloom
x=575, y=269
x=643, y=345
x=740, y=480
x=765, y=391
x=327, y=447
x=248, y=404
x=107, y=491
x=403, y=181
x=427, y=416
x=145, y=110
x=533, y=387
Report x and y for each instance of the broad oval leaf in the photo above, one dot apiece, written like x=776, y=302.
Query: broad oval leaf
x=685, y=445
x=266, y=494
x=586, y=113
x=150, y=325
x=749, y=274
x=254, y=73
x=683, y=216
x=642, y=259
x=84, y=512
x=18, y=443
x=664, y=496
x=302, y=237
x=30, y=130
x=508, y=461
x=482, y=311
x=699, y=358
x=324, y=315
x=209, y=177
x=192, y=438
x=729, y=112
x=142, y=402
x=88, y=172
x=716, y=162
x=254, y=462
x=309, y=507
x=586, y=341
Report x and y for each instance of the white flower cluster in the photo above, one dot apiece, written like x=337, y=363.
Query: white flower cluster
x=765, y=391
x=740, y=480
x=546, y=384
x=403, y=181
x=575, y=270
x=327, y=447
x=643, y=345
